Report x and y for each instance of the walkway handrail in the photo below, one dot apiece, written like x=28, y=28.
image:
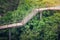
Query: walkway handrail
x=30, y=16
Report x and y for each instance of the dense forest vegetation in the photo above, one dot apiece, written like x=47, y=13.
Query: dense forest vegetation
x=13, y=11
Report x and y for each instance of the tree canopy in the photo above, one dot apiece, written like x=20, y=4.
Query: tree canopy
x=14, y=11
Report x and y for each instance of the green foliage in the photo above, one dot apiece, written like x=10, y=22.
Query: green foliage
x=35, y=29
x=45, y=29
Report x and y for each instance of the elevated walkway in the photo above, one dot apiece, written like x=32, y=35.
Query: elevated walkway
x=30, y=16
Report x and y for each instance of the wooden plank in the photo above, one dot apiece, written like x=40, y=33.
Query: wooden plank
x=10, y=25
x=30, y=16
x=49, y=8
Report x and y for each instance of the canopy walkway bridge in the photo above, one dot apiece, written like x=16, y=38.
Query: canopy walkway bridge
x=30, y=16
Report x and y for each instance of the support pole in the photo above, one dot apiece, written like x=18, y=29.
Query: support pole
x=9, y=34
x=40, y=15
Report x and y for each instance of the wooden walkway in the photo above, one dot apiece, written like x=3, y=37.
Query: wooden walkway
x=28, y=17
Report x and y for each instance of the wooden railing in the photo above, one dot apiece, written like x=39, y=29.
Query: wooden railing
x=30, y=16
